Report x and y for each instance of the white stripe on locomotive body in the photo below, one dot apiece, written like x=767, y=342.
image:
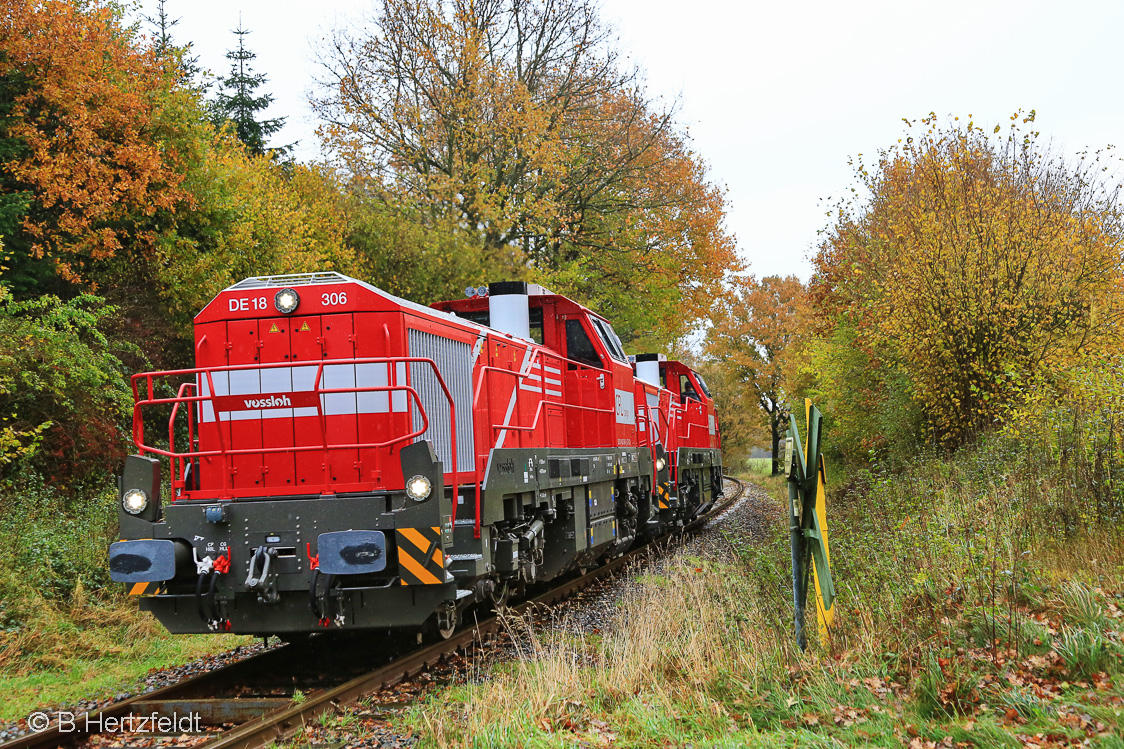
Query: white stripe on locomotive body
x=549, y=380
x=338, y=377
x=278, y=380
x=538, y=389
x=282, y=380
x=524, y=369
x=378, y=402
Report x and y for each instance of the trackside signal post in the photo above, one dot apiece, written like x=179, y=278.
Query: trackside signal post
x=807, y=516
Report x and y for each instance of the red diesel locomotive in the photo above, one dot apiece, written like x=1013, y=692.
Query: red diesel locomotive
x=343, y=458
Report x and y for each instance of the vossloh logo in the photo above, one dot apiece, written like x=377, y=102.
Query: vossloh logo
x=273, y=401
x=266, y=401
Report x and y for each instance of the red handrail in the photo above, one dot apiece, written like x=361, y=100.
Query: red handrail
x=225, y=452
x=478, y=388
x=518, y=374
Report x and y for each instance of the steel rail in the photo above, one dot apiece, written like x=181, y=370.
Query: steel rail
x=282, y=723
x=53, y=736
x=285, y=723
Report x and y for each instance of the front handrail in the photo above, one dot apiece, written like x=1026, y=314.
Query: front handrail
x=178, y=463
x=227, y=452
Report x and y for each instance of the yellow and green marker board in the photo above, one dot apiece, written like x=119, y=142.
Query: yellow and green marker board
x=807, y=505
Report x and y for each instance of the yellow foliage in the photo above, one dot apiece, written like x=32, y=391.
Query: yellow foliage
x=979, y=268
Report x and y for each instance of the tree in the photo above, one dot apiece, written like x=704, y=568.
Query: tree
x=237, y=103
x=980, y=267
x=739, y=412
x=518, y=119
x=416, y=255
x=755, y=323
x=64, y=394
x=82, y=165
x=180, y=58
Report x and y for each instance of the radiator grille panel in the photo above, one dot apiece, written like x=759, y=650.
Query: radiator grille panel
x=454, y=361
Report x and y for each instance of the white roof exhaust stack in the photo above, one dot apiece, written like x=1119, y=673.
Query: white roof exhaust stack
x=508, y=308
x=648, y=368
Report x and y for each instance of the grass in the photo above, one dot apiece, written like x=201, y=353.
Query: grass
x=972, y=610
x=979, y=604
x=759, y=466
x=66, y=632
x=119, y=668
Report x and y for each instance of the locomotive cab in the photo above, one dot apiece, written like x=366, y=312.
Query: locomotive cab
x=696, y=457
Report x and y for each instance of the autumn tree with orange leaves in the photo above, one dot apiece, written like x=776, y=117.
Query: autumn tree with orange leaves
x=980, y=269
x=755, y=324
x=519, y=119
x=82, y=166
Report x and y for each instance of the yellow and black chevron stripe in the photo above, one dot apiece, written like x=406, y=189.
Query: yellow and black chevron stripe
x=146, y=589
x=662, y=497
x=420, y=561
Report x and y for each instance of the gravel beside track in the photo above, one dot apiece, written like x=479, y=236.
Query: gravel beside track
x=371, y=721
x=595, y=609
x=152, y=681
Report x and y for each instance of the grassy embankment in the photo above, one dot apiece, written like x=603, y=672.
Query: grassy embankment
x=68, y=633
x=977, y=607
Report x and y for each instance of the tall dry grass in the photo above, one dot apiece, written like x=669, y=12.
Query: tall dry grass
x=946, y=569
x=675, y=635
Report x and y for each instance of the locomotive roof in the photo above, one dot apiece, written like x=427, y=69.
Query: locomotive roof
x=214, y=311
x=297, y=280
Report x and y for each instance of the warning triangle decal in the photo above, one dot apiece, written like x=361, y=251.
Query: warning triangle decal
x=274, y=329
x=304, y=327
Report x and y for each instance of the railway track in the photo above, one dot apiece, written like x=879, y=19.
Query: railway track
x=268, y=698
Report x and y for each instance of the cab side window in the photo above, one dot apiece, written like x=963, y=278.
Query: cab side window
x=687, y=389
x=536, y=325
x=578, y=346
x=702, y=384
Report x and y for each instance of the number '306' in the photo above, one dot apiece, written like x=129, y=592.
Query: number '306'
x=334, y=299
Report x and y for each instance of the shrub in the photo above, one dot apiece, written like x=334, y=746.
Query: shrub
x=64, y=395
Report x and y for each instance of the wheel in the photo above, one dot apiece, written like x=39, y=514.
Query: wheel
x=500, y=595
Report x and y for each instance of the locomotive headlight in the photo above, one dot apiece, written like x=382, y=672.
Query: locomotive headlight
x=418, y=488
x=134, y=501
x=286, y=301
x=660, y=463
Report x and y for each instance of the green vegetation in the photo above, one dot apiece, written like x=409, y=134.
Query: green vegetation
x=66, y=633
x=132, y=190
x=759, y=466
x=961, y=333
x=975, y=606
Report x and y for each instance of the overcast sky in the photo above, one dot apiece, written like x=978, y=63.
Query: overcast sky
x=777, y=96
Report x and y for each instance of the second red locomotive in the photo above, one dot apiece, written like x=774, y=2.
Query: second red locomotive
x=343, y=458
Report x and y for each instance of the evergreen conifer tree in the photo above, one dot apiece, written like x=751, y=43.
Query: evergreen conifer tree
x=236, y=101
x=190, y=73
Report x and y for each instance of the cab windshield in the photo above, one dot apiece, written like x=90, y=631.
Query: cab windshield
x=609, y=338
